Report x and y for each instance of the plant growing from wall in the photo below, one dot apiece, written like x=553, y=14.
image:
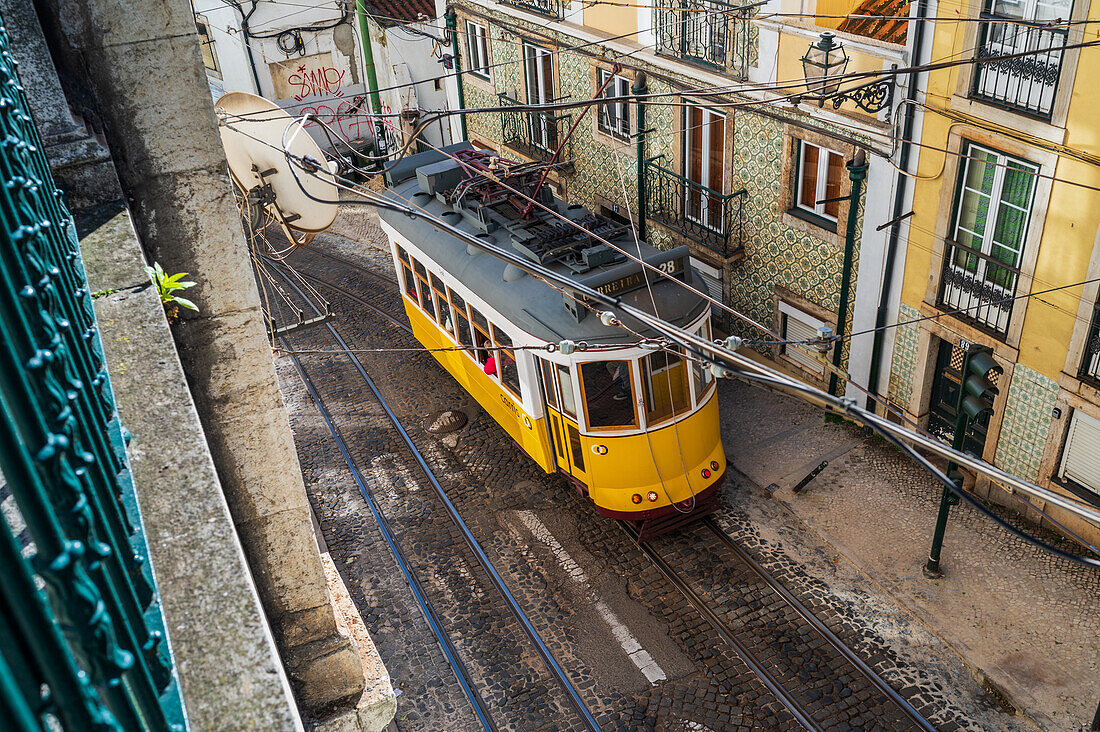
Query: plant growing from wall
x=167, y=286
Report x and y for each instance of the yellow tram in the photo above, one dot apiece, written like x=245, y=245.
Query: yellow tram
x=634, y=427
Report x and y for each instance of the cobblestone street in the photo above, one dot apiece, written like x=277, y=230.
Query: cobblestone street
x=592, y=595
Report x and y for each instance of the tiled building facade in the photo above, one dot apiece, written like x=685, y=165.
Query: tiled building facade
x=762, y=254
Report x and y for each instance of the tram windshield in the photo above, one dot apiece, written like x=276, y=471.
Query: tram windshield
x=608, y=394
x=664, y=379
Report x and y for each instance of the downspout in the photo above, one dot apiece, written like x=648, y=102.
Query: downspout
x=857, y=171
x=452, y=29
x=248, y=45
x=900, y=188
x=639, y=88
x=368, y=56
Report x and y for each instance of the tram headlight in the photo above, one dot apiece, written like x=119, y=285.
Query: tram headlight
x=636, y=498
x=714, y=465
x=706, y=472
x=652, y=496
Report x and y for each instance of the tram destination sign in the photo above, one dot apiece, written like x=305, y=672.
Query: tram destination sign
x=672, y=267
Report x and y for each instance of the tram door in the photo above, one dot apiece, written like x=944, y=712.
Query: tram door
x=561, y=418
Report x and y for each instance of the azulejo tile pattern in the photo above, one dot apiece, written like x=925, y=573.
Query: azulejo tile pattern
x=904, y=363
x=774, y=253
x=1026, y=422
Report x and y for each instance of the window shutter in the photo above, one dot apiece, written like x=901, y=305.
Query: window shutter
x=799, y=330
x=1081, y=457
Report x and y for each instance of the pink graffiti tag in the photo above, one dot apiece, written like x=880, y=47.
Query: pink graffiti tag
x=321, y=81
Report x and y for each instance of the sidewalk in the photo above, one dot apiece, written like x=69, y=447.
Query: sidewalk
x=1024, y=620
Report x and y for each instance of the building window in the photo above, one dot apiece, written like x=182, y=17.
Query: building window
x=984, y=250
x=1025, y=84
x=817, y=181
x=206, y=43
x=704, y=165
x=615, y=115
x=796, y=325
x=538, y=69
x=1081, y=455
x=1090, y=364
x=477, y=49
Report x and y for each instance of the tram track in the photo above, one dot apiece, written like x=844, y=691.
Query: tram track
x=542, y=650
x=768, y=671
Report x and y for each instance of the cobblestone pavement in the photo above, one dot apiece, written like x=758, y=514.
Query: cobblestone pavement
x=1027, y=623
x=567, y=565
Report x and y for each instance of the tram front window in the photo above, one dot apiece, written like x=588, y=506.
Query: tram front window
x=666, y=386
x=608, y=394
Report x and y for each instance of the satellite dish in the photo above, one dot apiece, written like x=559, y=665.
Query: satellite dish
x=253, y=134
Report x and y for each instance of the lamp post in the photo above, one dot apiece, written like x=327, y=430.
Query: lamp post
x=823, y=65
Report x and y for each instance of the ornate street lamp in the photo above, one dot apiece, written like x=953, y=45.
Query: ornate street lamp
x=825, y=60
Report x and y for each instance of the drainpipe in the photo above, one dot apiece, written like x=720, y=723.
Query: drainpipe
x=639, y=88
x=857, y=171
x=368, y=56
x=900, y=187
x=452, y=29
x=248, y=45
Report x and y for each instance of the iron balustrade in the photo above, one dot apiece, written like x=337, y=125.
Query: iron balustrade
x=1025, y=84
x=549, y=8
x=535, y=134
x=87, y=650
x=1090, y=361
x=980, y=285
x=706, y=32
x=702, y=214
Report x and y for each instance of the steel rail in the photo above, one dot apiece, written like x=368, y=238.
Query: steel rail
x=355, y=298
x=462, y=674
x=796, y=708
x=823, y=630
x=346, y=261
x=471, y=542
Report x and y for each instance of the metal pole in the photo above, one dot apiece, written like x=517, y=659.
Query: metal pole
x=857, y=171
x=452, y=28
x=368, y=57
x=640, y=87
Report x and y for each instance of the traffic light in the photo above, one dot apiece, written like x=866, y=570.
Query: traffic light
x=978, y=389
x=976, y=397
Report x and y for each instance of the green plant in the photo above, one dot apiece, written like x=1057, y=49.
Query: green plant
x=167, y=286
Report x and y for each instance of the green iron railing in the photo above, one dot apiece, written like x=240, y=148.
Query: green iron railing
x=82, y=639
x=535, y=134
x=702, y=214
x=712, y=33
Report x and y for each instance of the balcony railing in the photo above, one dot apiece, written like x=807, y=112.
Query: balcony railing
x=1025, y=84
x=535, y=134
x=549, y=8
x=705, y=32
x=82, y=635
x=980, y=285
x=702, y=214
x=1090, y=362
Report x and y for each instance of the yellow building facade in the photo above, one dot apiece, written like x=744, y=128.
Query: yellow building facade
x=1001, y=248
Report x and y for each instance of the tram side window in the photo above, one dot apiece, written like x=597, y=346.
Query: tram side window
x=548, y=382
x=608, y=394
x=425, y=298
x=568, y=404
x=482, y=342
x=442, y=306
x=506, y=360
x=407, y=275
x=666, y=387
x=462, y=323
x=700, y=372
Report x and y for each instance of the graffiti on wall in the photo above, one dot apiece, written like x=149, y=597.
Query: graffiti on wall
x=316, y=85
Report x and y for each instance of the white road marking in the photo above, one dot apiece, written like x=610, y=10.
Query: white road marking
x=639, y=656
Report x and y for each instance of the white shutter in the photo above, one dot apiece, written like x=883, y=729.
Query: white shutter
x=712, y=280
x=1081, y=457
x=800, y=326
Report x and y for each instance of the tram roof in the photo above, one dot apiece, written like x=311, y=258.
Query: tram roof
x=526, y=302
